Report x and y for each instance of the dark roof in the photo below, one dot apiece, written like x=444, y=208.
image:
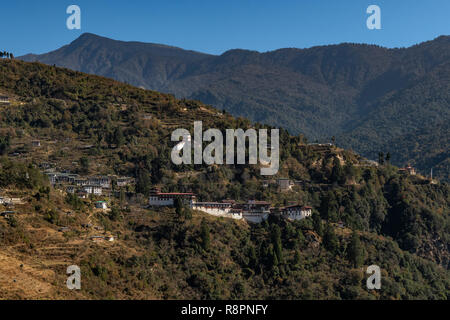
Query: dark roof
x=174, y=194
x=258, y=202
x=297, y=205
x=213, y=203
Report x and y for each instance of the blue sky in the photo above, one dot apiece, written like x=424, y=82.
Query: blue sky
x=215, y=26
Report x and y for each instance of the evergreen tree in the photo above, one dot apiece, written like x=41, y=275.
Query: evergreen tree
x=349, y=172
x=273, y=258
x=122, y=198
x=317, y=224
x=381, y=158
x=328, y=207
x=300, y=238
x=297, y=258
x=179, y=207
x=115, y=214
x=252, y=259
x=330, y=240
x=143, y=182
x=187, y=212
x=276, y=241
x=5, y=143
x=119, y=138
x=388, y=157
x=355, y=252
x=336, y=172
x=205, y=235
x=84, y=163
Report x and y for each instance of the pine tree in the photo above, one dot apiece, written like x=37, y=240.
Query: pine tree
x=317, y=224
x=300, y=238
x=143, y=182
x=122, y=198
x=178, y=207
x=84, y=162
x=355, y=252
x=276, y=241
x=252, y=259
x=328, y=207
x=381, y=158
x=205, y=235
x=187, y=212
x=330, y=240
x=388, y=157
x=297, y=258
x=119, y=138
x=337, y=172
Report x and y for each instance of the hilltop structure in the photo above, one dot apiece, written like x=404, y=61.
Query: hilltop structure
x=253, y=211
x=296, y=212
x=408, y=170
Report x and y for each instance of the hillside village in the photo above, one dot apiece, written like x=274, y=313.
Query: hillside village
x=110, y=185
x=102, y=190
x=103, y=187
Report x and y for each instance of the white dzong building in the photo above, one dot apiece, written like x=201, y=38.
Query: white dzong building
x=296, y=212
x=164, y=199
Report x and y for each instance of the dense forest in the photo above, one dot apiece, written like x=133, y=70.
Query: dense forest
x=362, y=215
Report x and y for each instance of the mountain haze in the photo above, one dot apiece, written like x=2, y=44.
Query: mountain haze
x=370, y=98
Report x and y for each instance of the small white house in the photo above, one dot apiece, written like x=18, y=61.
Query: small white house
x=96, y=190
x=284, y=184
x=101, y=205
x=109, y=238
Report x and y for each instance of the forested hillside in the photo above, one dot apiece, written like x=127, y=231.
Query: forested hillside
x=362, y=214
x=372, y=99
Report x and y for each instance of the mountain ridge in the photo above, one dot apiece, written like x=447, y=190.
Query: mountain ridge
x=334, y=90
